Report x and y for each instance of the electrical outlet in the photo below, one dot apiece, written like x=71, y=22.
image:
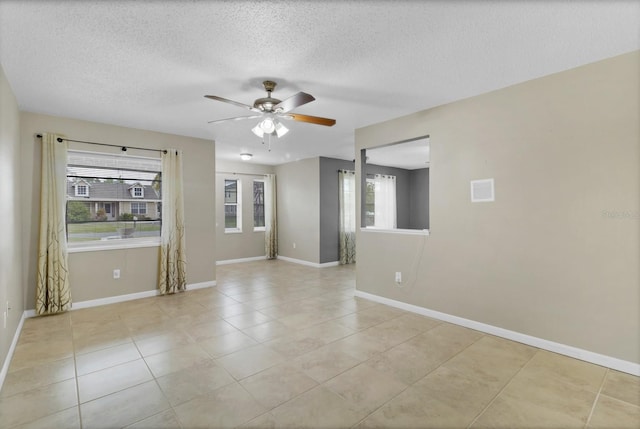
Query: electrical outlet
x=294, y=245
x=4, y=316
x=398, y=277
x=116, y=274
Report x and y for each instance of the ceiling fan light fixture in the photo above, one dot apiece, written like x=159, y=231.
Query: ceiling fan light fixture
x=268, y=125
x=257, y=130
x=281, y=129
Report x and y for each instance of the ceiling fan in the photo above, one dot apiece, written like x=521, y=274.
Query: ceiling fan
x=271, y=109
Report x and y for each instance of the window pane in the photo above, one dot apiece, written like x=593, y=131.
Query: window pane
x=230, y=191
x=230, y=216
x=106, y=210
x=370, y=203
x=258, y=204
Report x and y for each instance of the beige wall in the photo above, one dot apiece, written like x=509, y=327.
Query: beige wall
x=299, y=209
x=91, y=272
x=249, y=243
x=11, y=218
x=556, y=256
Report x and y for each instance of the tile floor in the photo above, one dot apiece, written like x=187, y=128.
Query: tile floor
x=282, y=345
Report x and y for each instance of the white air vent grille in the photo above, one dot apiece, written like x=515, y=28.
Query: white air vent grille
x=482, y=190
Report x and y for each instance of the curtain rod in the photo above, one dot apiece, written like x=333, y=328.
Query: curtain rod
x=124, y=148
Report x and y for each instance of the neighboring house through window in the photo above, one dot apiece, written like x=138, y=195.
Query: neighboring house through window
x=112, y=197
x=137, y=191
x=82, y=189
x=139, y=208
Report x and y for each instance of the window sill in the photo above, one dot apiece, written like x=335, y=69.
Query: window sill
x=259, y=229
x=233, y=231
x=396, y=231
x=112, y=245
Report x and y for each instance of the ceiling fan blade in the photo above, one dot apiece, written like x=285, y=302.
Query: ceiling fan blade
x=235, y=103
x=237, y=118
x=294, y=101
x=311, y=119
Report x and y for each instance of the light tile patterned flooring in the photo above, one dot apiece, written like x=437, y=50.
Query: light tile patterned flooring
x=282, y=345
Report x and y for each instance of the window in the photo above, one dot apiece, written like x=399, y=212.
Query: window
x=112, y=200
x=258, y=205
x=139, y=208
x=232, y=209
x=370, y=203
x=380, y=202
x=82, y=190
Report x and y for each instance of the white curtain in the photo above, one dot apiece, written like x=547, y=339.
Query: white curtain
x=347, y=197
x=270, y=217
x=53, y=294
x=173, y=261
x=385, y=201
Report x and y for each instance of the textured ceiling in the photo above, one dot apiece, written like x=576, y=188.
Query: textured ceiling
x=147, y=64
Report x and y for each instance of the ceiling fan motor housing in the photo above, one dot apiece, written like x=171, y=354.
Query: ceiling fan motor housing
x=267, y=103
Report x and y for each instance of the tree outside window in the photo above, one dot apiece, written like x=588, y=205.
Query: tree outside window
x=258, y=204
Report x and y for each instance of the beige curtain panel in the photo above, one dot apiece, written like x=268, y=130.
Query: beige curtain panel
x=173, y=262
x=270, y=218
x=347, y=230
x=53, y=294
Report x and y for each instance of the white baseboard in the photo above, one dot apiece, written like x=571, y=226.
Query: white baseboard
x=12, y=349
x=122, y=298
x=309, y=264
x=201, y=285
x=563, y=349
x=236, y=261
x=113, y=299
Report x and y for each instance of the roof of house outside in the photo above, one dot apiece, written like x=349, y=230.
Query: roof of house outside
x=103, y=191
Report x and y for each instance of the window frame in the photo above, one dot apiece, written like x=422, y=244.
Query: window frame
x=134, y=192
x=138, y=205
x=238, y=205
x=85, y=186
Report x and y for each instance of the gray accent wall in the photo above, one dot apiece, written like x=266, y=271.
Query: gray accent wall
x=419, y=199
x=330, y=207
